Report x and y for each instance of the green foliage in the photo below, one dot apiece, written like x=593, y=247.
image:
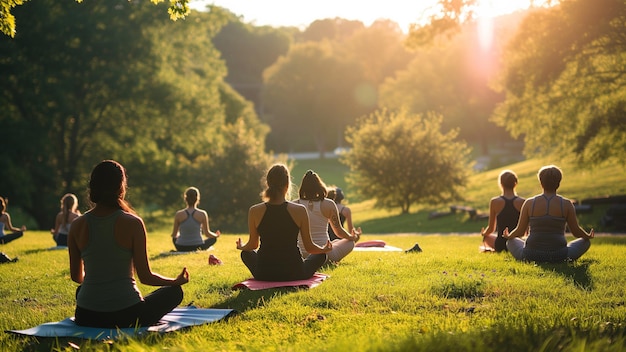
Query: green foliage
x=455, y=80
x=309, y=93
x=230, y=177
x=564, y=82
x=248, y=50
x=178, y=9
x=373, y=301
x=401, y=159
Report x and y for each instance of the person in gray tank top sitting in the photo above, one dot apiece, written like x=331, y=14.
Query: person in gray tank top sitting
x=191, y=223
x=107, y=246
x=546, y=215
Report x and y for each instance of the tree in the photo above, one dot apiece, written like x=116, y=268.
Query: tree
x=90, y=81
x=248, y=51
x=455, y=80
x=565, y=81
x=401, y=159
x=178, y=9
x=309, y=95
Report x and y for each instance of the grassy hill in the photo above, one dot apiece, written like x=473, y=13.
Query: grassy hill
x=578, y=184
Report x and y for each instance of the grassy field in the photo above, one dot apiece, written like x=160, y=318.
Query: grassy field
x=450, y=297
x=577, y=184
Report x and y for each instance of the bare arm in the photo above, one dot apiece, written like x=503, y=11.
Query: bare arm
x=493, y=214
x=9, y=225
x=77, y=269
x=255, y=214
x=57, y=224
x=135, y=228
x=348, y=214
x=572, y=222
x=330, y=211
x=206, y=230
x=176, y=225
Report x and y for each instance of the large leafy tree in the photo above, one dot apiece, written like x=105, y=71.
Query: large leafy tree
x=565, y=81
x=177, y=9
x=310, y=95
x=248, y=50
x=91, y=81
x=401, y=159
x=455, y=80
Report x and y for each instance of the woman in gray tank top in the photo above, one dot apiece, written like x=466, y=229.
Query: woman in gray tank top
x=107, y=246
x=191, y=223
x=546, y=215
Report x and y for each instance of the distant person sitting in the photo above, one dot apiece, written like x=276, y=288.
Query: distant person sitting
x=345, y=214
x=62, y=222
x=107, y=246
x=5, y=224
x=503, y=212
x=547, y=214
x=323, y=211
x=274, y=226
x=191, y=223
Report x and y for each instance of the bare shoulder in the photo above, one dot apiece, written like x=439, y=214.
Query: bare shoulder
x=130, y=220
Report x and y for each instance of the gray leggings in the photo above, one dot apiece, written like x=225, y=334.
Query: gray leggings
x=575, y=248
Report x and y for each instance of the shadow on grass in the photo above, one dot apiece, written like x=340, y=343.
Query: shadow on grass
x=577, y=272
x=248, y=299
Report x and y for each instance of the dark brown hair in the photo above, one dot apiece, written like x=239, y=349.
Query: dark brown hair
x=107, y=185
x=550, y=177
x=508, y=179
x=192, y=195
x=312, y=187
x=276, y=180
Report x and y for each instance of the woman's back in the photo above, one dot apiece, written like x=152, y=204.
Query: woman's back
x=109, y=284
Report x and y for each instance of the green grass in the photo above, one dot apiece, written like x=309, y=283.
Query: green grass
x=450, y=297
x=577, y=184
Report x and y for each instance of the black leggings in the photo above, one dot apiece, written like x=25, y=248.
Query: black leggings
x=145, y=313
x=10, y=237
x=308, y=268
x=205, y=245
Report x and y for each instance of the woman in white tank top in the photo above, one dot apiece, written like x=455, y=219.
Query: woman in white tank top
x=323, y=211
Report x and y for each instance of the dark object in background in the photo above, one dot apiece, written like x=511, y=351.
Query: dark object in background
x=415, y=248
x=6, y=259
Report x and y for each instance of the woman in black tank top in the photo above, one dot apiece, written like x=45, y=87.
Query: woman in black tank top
x=504, y=212
x=274, y=226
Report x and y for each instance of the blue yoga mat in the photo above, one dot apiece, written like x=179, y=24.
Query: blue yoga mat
x=177, y=319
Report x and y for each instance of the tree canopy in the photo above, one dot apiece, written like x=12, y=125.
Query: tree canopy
x=97, y=81
x=176, y=10
x=401, y=159
x=565, y=81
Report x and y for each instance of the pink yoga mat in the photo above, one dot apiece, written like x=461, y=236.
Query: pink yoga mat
x=372, y=243
x=253, y=284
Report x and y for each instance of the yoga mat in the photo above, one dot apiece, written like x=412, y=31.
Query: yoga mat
x=386, y=248
x=372, y=243
x=253, y=284
x=176, y=319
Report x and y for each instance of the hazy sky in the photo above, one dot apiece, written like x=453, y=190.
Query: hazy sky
x=301, y=13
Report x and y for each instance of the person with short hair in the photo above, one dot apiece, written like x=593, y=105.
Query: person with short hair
x=107, y=246
x=323, y=211
x=546, y=215
x=191, y=223
x=504, y=212
x=63, y=221
x=5, y=224
x=274, y=226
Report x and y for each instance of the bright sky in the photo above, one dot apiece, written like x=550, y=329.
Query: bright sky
x=301, y=13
